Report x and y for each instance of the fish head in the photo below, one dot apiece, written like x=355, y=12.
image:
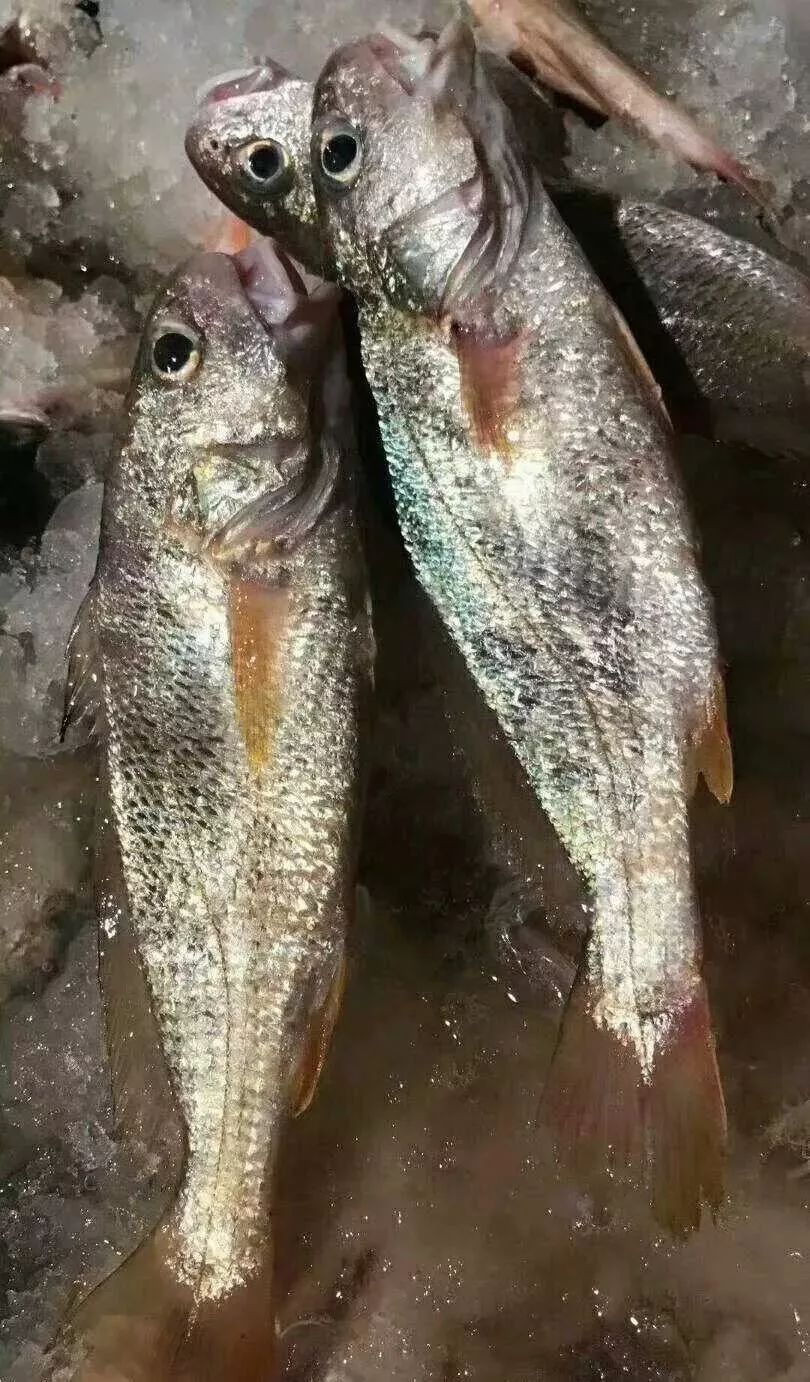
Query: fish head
x=249, y=142
x=409, y=142
x=224, y=386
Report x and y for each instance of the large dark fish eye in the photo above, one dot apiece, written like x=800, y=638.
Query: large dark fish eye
x=341, y=154
x=264, y=164
x=176, y=353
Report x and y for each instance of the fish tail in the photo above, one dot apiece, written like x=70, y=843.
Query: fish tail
x=686, y=1120
x=593, y=1099
x=662, y=1129
x=143, y=1325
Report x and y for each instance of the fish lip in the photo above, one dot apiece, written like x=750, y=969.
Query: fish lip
x=229, y=86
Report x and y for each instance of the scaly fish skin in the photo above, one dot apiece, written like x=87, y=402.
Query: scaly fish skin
x=264, y=111
x=739, y=316
x=234, y=662
x=725, y=325
x=533, y=480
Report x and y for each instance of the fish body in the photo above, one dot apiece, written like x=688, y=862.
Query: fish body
x=231, y=642
x=724, y=324
x=738, y=316
x=531, y=466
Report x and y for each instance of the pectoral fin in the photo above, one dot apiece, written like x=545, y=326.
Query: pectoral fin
x=258, y=615
x=319, y=1040
x=489, y=372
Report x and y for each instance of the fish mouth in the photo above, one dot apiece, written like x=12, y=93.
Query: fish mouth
x=417, y=64
x=228, y=86
x=296, y=307
x=272, y=284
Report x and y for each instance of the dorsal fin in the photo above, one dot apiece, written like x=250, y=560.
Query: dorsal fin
x=142, y=1100
x=83, y=692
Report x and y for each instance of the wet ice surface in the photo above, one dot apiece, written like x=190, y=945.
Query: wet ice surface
x=424, y=1232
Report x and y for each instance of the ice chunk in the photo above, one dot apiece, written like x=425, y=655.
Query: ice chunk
x=734, y=68
x=44, y=861
x=40, y=597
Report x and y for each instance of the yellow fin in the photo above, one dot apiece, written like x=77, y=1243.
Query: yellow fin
x=710, y=748
x=257, y=618
x=143, y=1104
x=319, y=1040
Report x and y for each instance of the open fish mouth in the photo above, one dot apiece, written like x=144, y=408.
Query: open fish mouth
x=266, y=76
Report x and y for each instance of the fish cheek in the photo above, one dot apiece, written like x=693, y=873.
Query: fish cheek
x=257, y=615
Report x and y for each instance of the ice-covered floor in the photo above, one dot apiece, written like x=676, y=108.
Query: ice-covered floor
x=424, y=1232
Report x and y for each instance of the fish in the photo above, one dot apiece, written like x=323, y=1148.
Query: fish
x=249, y=142
x=224, y=656
x=723, y=323
x=554, y=40
x=531, y=463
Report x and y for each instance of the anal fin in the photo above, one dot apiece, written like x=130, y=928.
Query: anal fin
x=710, y=748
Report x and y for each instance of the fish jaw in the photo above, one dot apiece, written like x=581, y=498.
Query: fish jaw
x=266, y=107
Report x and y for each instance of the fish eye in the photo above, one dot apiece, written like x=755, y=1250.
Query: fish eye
x=176, y=353
x=264, y=163
x=341, y=154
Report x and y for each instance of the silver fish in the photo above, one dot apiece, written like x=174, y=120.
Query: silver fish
x=724, y=325
x=738, y=317
x=531, y=466
x=225, y=648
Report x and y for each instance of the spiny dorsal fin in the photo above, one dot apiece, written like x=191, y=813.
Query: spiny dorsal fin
x=258, y=615
x=83, y=693
x=490, y=386
x=710, y=747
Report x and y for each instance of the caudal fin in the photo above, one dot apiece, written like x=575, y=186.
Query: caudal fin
x=593, y=1096
x=143, y=1325
x=686, y=1119
x=665, y=1131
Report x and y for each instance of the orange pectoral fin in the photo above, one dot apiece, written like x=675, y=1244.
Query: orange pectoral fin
x=318, y=1042
x=710, y=752
x=489, y=371
x=258, y=615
